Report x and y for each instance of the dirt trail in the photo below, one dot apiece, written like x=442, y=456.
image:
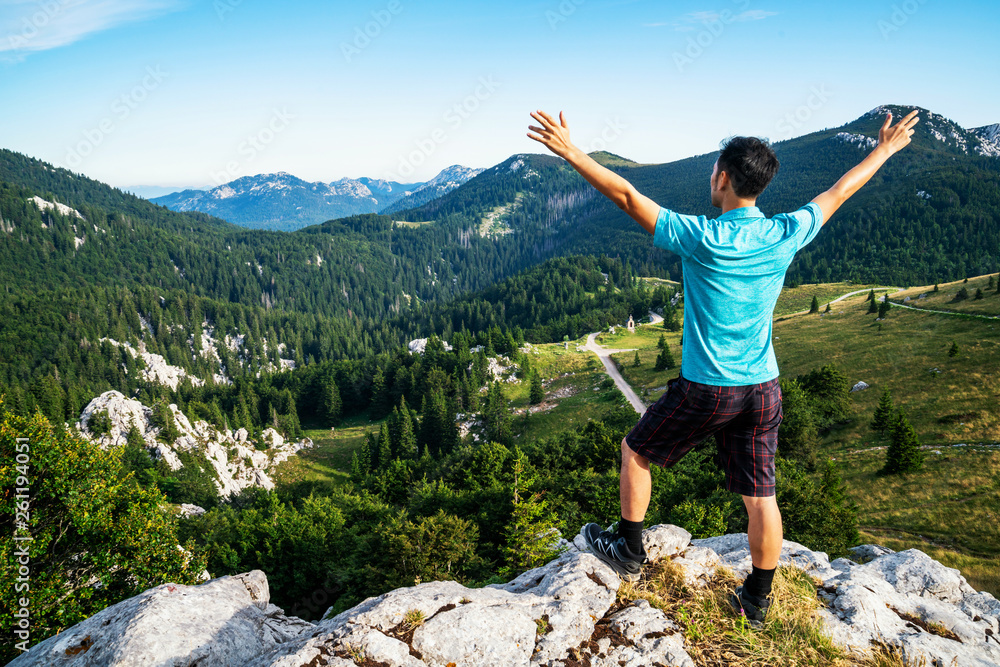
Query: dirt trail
x=604, y=355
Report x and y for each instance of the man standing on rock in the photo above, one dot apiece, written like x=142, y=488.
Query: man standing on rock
x=734, y=267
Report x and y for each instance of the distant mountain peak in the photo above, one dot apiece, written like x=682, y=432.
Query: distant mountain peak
x=989, y=139
x=984, y=141
x=444, y=182
x=282, y=200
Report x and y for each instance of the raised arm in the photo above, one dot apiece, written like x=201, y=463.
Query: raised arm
x=555, y=136
x=890, y=141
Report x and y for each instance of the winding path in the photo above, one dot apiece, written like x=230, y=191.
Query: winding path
x=604, y=355
x=845, y=296
x=896, y=304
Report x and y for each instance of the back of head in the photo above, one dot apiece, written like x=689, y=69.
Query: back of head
x=750, y=163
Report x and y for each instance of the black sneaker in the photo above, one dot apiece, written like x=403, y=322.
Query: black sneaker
x=613, y=550
x=750, y=606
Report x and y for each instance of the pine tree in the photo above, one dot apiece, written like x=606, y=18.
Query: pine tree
x=903, y=454
x=636, y=362
x=871, y=295
x=670, y=321
x=429, y=435
x=828, y=389
x=361, y=461
x=883, y=309
x=532, y=534
x=380, y=395
x=953, y=350
x=872, y=307
x=662, y=343
x=798, y=437
x=496, y=416
x=979, y=294
x=814, y=307
x=936, y=288
x=537, y=393
x=962, y=294
x=884, y=412
x=384, y=447
x=827, y=308
x=331, y=402
x=664, y=360
x=408, y=448
x=992, y=283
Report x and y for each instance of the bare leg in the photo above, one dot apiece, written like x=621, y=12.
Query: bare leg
x=764, y=531
x=636, y=484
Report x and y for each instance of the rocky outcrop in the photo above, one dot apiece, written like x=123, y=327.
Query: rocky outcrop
x=568, y=609
x=226, y=621
x=236, y=463
x=904, y=599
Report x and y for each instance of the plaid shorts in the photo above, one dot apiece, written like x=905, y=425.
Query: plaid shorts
x=744, y=421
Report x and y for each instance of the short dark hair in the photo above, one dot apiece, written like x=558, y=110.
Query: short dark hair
x=750, y=163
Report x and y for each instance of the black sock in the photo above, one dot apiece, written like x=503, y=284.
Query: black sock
x=758, y=582
x=632, y=532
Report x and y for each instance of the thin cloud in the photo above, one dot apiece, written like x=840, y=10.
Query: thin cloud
x=689, y=21
x=28, y=26
x=754, y=15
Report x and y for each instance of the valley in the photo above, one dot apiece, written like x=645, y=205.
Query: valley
x=401, y=463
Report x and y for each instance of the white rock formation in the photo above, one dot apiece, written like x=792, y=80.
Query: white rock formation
x=226, y=621
x=44, y=205
x=418, y=345
x=543, y=617
x=236, y=463
x=157, y=370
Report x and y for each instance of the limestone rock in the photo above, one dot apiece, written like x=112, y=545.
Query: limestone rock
x=895, y=598
x=187, y=509
x=867, y=552
x=543, y=617
x=664, y=540
x=474, y=634
x=236, y=464
x=418, y=345
x=699, y=565
x=226, y=621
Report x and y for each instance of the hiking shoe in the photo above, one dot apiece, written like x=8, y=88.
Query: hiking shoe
x=750, y=606
x=613, y=550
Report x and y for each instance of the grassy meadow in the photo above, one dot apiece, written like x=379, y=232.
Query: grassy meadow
x=944, y=298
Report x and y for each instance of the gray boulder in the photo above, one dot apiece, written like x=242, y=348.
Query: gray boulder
x=226, y=621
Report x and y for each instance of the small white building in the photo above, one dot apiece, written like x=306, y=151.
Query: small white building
x=631, y=324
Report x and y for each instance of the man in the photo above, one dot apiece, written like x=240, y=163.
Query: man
x=734, y=268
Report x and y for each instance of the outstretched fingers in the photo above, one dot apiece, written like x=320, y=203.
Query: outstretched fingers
x=544, y=119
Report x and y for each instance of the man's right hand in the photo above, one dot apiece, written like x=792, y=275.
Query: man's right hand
x=896, y=137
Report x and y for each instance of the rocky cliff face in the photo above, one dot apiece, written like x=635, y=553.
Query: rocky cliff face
x=567, y=609
x=236, y=463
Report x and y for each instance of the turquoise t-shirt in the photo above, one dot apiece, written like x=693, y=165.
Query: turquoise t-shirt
x=734, y=268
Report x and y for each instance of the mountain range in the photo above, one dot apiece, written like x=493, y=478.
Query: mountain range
x=284, y=202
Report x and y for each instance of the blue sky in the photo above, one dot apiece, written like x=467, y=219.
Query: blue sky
x=197, y=92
